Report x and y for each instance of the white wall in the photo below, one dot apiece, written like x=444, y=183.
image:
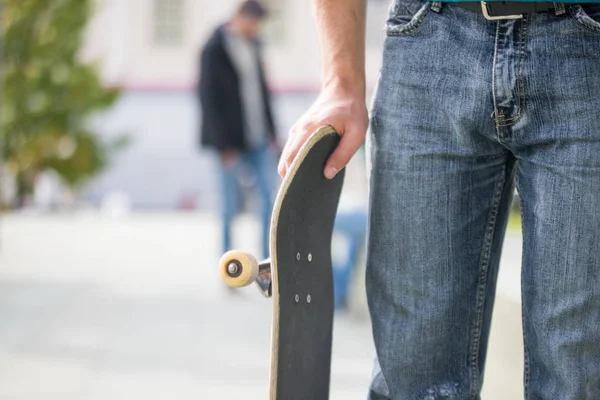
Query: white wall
x=120, y=35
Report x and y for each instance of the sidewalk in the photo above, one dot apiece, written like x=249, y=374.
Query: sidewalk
x=132, y=308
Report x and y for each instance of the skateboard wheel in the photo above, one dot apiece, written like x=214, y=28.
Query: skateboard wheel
x=238, y=269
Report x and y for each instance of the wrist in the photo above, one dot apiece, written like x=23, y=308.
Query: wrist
x=345, y=85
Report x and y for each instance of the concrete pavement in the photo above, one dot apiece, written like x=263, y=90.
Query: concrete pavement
x=93, y=307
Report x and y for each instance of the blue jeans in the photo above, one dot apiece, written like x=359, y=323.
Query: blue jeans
x=261, y=163
x=464, y=108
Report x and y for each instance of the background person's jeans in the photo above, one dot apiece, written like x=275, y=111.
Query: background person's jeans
x=261, y=163
x=463, y=106
x=352, y=226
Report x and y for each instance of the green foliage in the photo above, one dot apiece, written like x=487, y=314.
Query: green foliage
x=48, y=94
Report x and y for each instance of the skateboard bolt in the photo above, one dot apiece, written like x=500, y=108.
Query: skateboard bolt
x=232, y=268
x=298, y=256
x=308, y=298
x=309, y=257
x=297, y=298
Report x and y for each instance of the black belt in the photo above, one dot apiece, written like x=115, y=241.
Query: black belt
x=507, y=9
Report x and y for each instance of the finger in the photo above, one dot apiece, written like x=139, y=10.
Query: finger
x=281, y=166
x=292, y=148
x=351, y=141
x=282, y=170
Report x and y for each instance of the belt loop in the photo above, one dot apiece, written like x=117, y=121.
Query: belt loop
x=436, y=6
x=559, y=8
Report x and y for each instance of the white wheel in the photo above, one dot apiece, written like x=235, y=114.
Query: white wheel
x=237, y=268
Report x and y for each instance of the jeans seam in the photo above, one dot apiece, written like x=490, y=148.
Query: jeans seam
x=502, y=122
x=482, y=286
x=575, y=13
x=526, y=371
x=520, y=81
x=494, y=62
x=413, y=25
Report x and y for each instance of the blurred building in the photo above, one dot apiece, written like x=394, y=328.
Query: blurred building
x=150, y=49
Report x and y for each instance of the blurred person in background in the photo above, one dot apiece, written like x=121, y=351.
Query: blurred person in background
x=237, y=120
x=351, y=226
x=465, y=90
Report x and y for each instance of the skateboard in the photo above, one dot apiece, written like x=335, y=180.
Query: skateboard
x=298, y=275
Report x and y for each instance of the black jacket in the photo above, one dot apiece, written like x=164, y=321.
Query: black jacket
x=219, y=92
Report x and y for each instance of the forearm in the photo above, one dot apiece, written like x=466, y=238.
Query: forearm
x=341, y=32
x=341, y=103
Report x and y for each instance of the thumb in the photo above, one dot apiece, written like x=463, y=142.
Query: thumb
x=349, y=144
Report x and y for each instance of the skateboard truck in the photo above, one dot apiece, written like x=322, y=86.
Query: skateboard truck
x=239, y=269
x=263, y=280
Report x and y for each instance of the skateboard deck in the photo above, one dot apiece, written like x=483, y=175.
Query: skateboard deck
x=298, y=274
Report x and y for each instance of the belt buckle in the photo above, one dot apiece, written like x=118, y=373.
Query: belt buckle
x=489, y=17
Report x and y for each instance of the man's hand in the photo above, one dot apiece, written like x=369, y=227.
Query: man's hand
x=346, y=112
x=341, y=104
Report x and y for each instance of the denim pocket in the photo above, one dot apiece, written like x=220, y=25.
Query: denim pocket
x=406, y=16
x=587, y=15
